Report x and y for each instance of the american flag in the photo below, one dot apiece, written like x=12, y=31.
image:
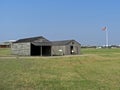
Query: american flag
x=104, y=28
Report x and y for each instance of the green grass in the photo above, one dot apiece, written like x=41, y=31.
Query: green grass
x=95, y=69
x=5, y=52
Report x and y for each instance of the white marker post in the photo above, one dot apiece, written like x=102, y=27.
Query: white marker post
x=106, y=37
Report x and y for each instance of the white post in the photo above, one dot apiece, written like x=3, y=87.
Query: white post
x=107, y=42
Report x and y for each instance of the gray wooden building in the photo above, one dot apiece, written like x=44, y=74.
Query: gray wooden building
x=40, y=46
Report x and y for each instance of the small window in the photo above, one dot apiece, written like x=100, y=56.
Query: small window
x=72, y=42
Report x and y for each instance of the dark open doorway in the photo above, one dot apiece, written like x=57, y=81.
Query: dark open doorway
x=46, y=50
x=71, y=49
x=40, y=50
x=35, y=50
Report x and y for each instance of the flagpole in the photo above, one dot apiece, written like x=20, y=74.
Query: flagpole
x=106, y=36
x=107, y=40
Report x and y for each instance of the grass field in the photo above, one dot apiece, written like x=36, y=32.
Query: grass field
x=94, y=69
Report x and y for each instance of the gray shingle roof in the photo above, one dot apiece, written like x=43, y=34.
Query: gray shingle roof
x=42, y=43
x=64, y=42
x=32, y=39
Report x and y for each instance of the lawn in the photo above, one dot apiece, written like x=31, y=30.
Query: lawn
x=5, y=52
x=94, y=69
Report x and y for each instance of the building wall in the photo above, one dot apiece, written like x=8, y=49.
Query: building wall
x=76, y=48
x=4, y=46
x=21, y=49
x=66, y=49
x=57, y=50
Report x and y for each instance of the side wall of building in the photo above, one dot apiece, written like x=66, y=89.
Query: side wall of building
x=57, y=50
x=23, y=49
x=76, y=48
x=66, y=49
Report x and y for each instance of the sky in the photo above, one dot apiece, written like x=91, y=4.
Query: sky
x=81, y=20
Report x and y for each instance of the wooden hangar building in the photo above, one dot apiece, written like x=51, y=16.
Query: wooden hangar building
x=40, y=46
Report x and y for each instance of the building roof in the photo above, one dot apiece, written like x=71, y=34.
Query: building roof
x=64, y=42
x=32, y=39
x=42, y=43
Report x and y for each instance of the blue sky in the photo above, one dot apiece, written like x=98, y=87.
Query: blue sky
x=81, y=20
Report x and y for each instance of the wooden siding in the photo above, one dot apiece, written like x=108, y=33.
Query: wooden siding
x=58, y=50
x=21, y=49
